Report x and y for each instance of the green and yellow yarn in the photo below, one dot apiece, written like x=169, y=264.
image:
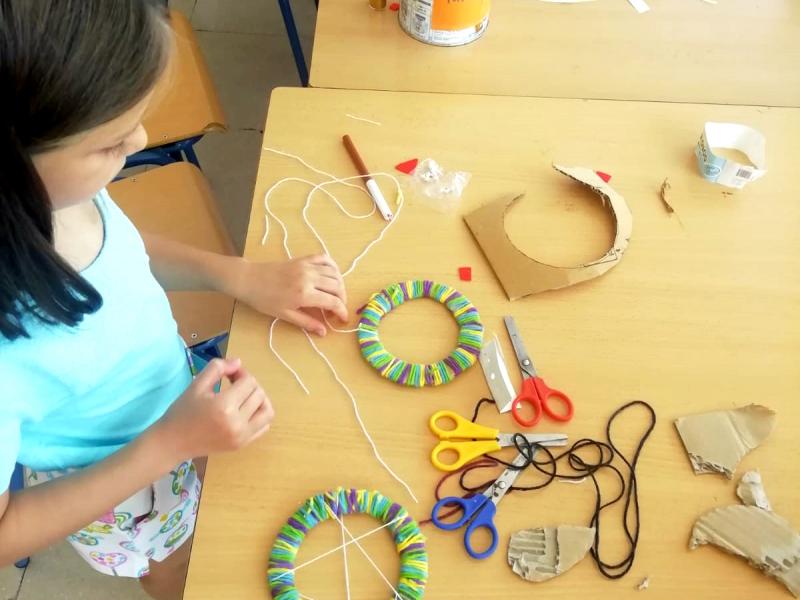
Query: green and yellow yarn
x=470, y=334
x=407, y=537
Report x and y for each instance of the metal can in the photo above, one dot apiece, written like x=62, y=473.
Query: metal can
x=444, y=22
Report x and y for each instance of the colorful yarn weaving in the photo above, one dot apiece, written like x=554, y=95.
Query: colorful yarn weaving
x=335, y=504
x=470, y=334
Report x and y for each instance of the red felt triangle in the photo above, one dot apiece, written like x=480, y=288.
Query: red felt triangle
x=408, y=166
x=604, y=176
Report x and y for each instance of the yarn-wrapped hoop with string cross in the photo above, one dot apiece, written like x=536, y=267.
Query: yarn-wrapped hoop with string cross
x=465, y=354
x=334, y=505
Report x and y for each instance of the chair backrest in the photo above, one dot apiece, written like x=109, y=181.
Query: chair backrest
x=176, y=202
x=17, y=478
x=185, y=103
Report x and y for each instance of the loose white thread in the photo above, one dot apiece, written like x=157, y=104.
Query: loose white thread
x=332, y=550
x=283, y=362
x=362, y=119
x=364, y=552
x=320, y=186
x=573, y=481
x=358, y=418
x=344, y=557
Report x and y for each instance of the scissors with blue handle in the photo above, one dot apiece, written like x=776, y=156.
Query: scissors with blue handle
x=470, y=440
x=478, y=511
x=534, y=391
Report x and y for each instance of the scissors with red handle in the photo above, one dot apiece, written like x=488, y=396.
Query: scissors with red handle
x=535, y=391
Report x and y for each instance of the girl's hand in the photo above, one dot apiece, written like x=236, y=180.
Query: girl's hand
x=202, y=422
x=288, y=289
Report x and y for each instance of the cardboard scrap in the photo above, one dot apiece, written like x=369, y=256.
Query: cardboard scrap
x=751, y=491
x=545, y=552
x=766, y=540
x=717, y=441
x=664, y=193
x=665, y=188
x=521, y=275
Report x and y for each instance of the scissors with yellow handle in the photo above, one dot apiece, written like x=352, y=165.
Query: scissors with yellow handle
x=469, y=440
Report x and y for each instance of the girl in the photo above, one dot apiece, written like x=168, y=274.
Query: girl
x=97, y=399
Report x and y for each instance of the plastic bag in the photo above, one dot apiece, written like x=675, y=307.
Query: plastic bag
x=439, y=189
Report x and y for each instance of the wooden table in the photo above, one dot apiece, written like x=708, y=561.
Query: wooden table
x=701, y=314
x=734, y=52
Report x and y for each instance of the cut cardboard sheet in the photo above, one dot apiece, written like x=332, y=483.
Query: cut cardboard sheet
x=717, y=441
x=751, y=491
x=545, y=552
x=766, y=540
x=521, y=275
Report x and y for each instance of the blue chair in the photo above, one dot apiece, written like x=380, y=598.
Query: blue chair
x=294, y=39
x=167, y=154
x=17, y=483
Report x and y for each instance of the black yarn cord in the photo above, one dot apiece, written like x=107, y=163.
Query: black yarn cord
x=617, y=570
x=604, y=454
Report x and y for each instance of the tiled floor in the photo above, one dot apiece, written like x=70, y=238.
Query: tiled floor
x=248, y=53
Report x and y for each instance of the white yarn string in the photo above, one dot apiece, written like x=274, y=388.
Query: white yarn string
x=364, y=552
x=283, y=362
x=367, y=120
x=358, y=418
x=321, y=186
x=332, y=550
x=344, y=555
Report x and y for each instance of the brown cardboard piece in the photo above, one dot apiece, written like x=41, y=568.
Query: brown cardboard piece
x=542, y=553
x=751, y=491
x=766, y=540
x=717, y=441
x=664, y=193
x=521, y=275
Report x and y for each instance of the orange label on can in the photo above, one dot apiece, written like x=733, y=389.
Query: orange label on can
x=452, y=15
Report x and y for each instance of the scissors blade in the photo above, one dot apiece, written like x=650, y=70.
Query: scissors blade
x=507, y=478
x=543, y=439
x=496, y=374
x=524, y=360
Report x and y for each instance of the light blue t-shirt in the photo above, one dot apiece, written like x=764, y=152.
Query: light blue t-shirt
x=71, y=396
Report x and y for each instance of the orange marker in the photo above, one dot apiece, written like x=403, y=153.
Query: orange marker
x=369, y=182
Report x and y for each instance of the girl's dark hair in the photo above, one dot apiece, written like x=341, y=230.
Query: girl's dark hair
x=66, y=66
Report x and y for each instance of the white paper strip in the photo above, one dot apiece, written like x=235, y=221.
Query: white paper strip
x=640, y=5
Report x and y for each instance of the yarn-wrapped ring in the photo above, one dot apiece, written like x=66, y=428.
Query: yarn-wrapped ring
x=407, y=537
x=466, y=352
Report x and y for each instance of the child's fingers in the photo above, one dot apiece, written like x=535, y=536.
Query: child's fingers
x=328, y=274
x=323, y=259
x=328, y=271
x=241, y=389
x=252, y=403
x=331, y=286
x=261, y=422
x=263, y=415
x=238, y=373
x=330, y=303
x=305, y=321
x=215, y=370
